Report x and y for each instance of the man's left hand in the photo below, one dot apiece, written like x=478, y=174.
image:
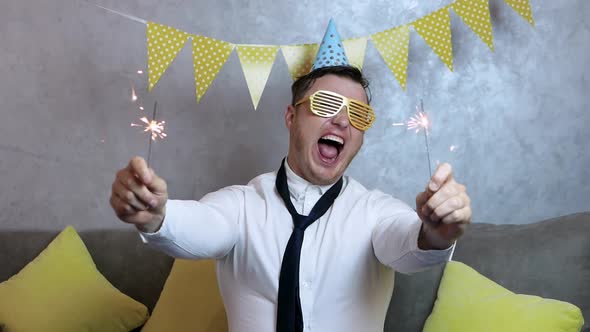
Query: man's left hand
x=444, y=208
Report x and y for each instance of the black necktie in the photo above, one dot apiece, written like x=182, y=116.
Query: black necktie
x=289, y=316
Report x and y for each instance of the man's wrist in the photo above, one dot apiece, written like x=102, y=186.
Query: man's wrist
x=153, y=227
x=429, y=241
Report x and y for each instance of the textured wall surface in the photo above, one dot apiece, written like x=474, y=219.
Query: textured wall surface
x=519, y=117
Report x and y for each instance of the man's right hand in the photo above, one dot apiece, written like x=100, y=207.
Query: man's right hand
x=139, y=196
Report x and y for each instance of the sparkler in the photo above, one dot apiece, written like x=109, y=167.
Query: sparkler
x=156, y=129
x=417, y=122
x=133, y=94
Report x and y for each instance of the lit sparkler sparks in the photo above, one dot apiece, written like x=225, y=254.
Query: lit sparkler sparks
x=152, y=126
x=156, y=128
x=421, y=121
x=133, y=95
x=417, y=122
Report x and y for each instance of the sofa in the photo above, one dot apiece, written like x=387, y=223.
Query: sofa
x=549, y=258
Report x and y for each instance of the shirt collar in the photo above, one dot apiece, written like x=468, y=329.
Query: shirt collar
x=298, y=185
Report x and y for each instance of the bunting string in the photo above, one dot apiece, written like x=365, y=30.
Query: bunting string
x=209, y=54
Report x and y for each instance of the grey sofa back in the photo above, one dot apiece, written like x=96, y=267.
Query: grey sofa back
x=549, y=259
x=132, y=267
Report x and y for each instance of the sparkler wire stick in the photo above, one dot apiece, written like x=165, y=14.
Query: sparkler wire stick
x=418, y=122
x=426, y=140
x=155, y=129
x=151, y=138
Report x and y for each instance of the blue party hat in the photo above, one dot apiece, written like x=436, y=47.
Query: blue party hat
x=331, y=52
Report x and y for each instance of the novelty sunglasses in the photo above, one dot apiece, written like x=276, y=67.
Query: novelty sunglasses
x=327, y=104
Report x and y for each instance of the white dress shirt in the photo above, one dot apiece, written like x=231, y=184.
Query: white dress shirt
x=348, y=256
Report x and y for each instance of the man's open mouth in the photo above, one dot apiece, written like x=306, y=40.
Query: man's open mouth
x=330, y=147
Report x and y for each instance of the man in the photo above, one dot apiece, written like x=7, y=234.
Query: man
x=304, y=248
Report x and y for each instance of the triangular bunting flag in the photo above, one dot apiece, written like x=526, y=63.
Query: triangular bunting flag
x=523, y=7
x=299, y=58
x=209, y=56
x=256, y=63
x=435, y=29
x=476, y=14
x=355, y=51
x=163, y=44
x=393, y=46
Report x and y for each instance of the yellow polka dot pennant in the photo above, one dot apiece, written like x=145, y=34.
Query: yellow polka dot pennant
x=209, y=56
x=476, y=14
x=523, y=7
x=256, y=63
x=435, y=29
x=299, y=58
x=163, y=44
x=355, y=51
x=393, y=45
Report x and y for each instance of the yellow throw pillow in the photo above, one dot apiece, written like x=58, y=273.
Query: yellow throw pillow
x=61, y=290
x=190, y=300
x=468, y=301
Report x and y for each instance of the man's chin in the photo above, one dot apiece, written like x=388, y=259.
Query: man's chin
x=325, y=174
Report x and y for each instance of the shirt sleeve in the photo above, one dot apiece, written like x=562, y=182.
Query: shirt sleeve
x=395, y=237
x=200, y=229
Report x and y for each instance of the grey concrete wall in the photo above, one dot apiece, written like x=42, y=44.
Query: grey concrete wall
x=519, y=116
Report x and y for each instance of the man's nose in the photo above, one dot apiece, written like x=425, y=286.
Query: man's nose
x=341, y=118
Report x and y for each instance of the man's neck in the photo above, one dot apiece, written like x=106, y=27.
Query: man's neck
x=293, y=173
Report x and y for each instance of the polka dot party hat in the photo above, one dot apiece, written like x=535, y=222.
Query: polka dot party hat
x=331, y=52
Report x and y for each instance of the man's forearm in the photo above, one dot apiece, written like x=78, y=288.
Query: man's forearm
x=193, y=230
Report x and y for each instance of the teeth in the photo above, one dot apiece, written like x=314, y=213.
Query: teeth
x=334, y=138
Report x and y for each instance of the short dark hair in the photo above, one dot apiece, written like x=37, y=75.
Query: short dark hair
x=303, y=83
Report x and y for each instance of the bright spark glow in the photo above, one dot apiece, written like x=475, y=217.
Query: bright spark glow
x=141, y=108
x=419, y=121
x=452, y=148
x=140, y=72
x=155, y=127
x=133, y=95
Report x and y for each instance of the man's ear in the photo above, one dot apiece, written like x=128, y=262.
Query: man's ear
x=289, y=116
